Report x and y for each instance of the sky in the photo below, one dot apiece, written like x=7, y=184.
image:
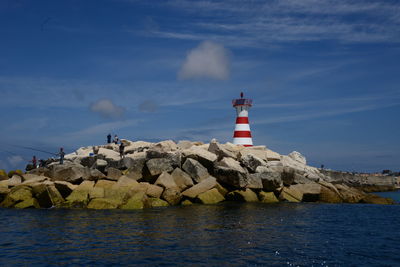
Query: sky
x=324, y=76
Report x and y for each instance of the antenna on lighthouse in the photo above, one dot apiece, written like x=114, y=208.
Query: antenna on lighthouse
x=242, y=134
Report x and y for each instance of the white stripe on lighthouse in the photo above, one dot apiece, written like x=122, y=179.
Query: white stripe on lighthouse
x=242, y=127
x=242, y=141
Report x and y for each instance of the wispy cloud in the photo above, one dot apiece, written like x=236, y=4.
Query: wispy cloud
x=254, y=23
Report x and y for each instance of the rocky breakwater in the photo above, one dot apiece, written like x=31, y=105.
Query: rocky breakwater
x=166, y=173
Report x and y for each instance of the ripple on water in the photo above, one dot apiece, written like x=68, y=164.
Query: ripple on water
x=231, y=233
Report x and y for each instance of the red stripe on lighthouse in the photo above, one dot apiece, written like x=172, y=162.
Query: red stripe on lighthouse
x=242, y=134
x=242, y=120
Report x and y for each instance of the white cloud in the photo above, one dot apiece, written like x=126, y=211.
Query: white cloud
x=15, y=160
x=208, y=60
x=107, y=109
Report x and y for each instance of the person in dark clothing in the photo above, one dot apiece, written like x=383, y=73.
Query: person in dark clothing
x=42, y=163
x=121, y=150
x=34, y=162
x=109, y=139
x=62, y=154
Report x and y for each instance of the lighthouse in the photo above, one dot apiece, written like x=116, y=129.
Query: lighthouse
x=242, y=134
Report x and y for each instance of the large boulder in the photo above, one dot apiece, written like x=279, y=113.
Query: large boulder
x=73, y=173
x=166, y=145
x=375, y=199
x=269, y=180
x=113, y=174
x=350, y=194
x=272, y=156
x=267, y=197
x=329, y=193
x=17, y=194
x=246, y=195
x=104, y=203
x=156, y=202
x=291, y=194
x=185, y=144
x=181, y=179
x=15, y=180
x=166, y=180
x=231, y=164
x=28, y=203
x=109, y=154
x=211, y=196
x=47, y=195
x=231, y=177
x=254, y=181
x=197, y=171
x=65, y=188
x=254, y=151
x=310, y=192
x=201, y=187
x=138, y=146
x=158, y=165
x=136, y=201
x=172, y=195
x=252, y=162
x=79, y=198
x=298, y=157
x=154, y=190
x=203, y=156
x=221, y=151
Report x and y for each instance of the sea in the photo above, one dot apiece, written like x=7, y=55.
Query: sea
x=228, y=234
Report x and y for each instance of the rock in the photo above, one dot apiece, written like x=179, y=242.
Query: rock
x=28, y=203
x=231, y=177
x=310, y=191
x=113, y=173
x=186, y=202
x=96, y=192
x=127, y=181
x=374, y=199
x=272, y=156
x=195, y=170
x=65, y=188
x=327, y=195
x=231, y=164
x=109, y=154
x=246, y=195
x=172, y=196
x=135, y=164
x=298, y=157
x=103, y=203
x=350, y=195
x=88, y=161
x=158, y=165
x=258, y=153
x=154, y=191
x=17, y=194
x=96, y=175
x=287, y=176
x=55, y=196
x=166, y=180
x=254, y=181
x=252, y=162
x=291, y=194
x=222, y=190
x=201, y=187
x=211, y=196
x=73, y=173
x=221, y=151
x=47, y=195
x=167, y=145
x=267, y=197
x=269, y=180
x=80, y=196
x=185, y=144
x=156, y=202
x=261, y=169
x=15, y=180
x=138, y=146
x=203, y=156
x=181, y=179
x=136, y=201
x=3, y=192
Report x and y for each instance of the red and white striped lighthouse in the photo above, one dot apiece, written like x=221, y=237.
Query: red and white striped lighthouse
x=242, y=134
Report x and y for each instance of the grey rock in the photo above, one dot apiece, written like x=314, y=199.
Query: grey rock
x=158, y=165
x=196, y=171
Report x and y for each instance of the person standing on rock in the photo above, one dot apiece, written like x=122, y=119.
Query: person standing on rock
x=121, y=150
x=62, y=154
x=34, y=162
x=116, y=139
x=109, y=139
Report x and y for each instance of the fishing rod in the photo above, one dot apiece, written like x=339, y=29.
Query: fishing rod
x=35, y=149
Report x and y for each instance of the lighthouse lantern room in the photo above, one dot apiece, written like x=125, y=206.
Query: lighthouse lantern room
x=242, y=134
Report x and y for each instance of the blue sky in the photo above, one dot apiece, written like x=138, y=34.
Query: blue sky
x=324, y=75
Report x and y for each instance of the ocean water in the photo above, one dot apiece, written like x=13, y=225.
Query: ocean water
x=230, y=234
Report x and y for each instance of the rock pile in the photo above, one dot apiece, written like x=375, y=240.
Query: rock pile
x=166, y=173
